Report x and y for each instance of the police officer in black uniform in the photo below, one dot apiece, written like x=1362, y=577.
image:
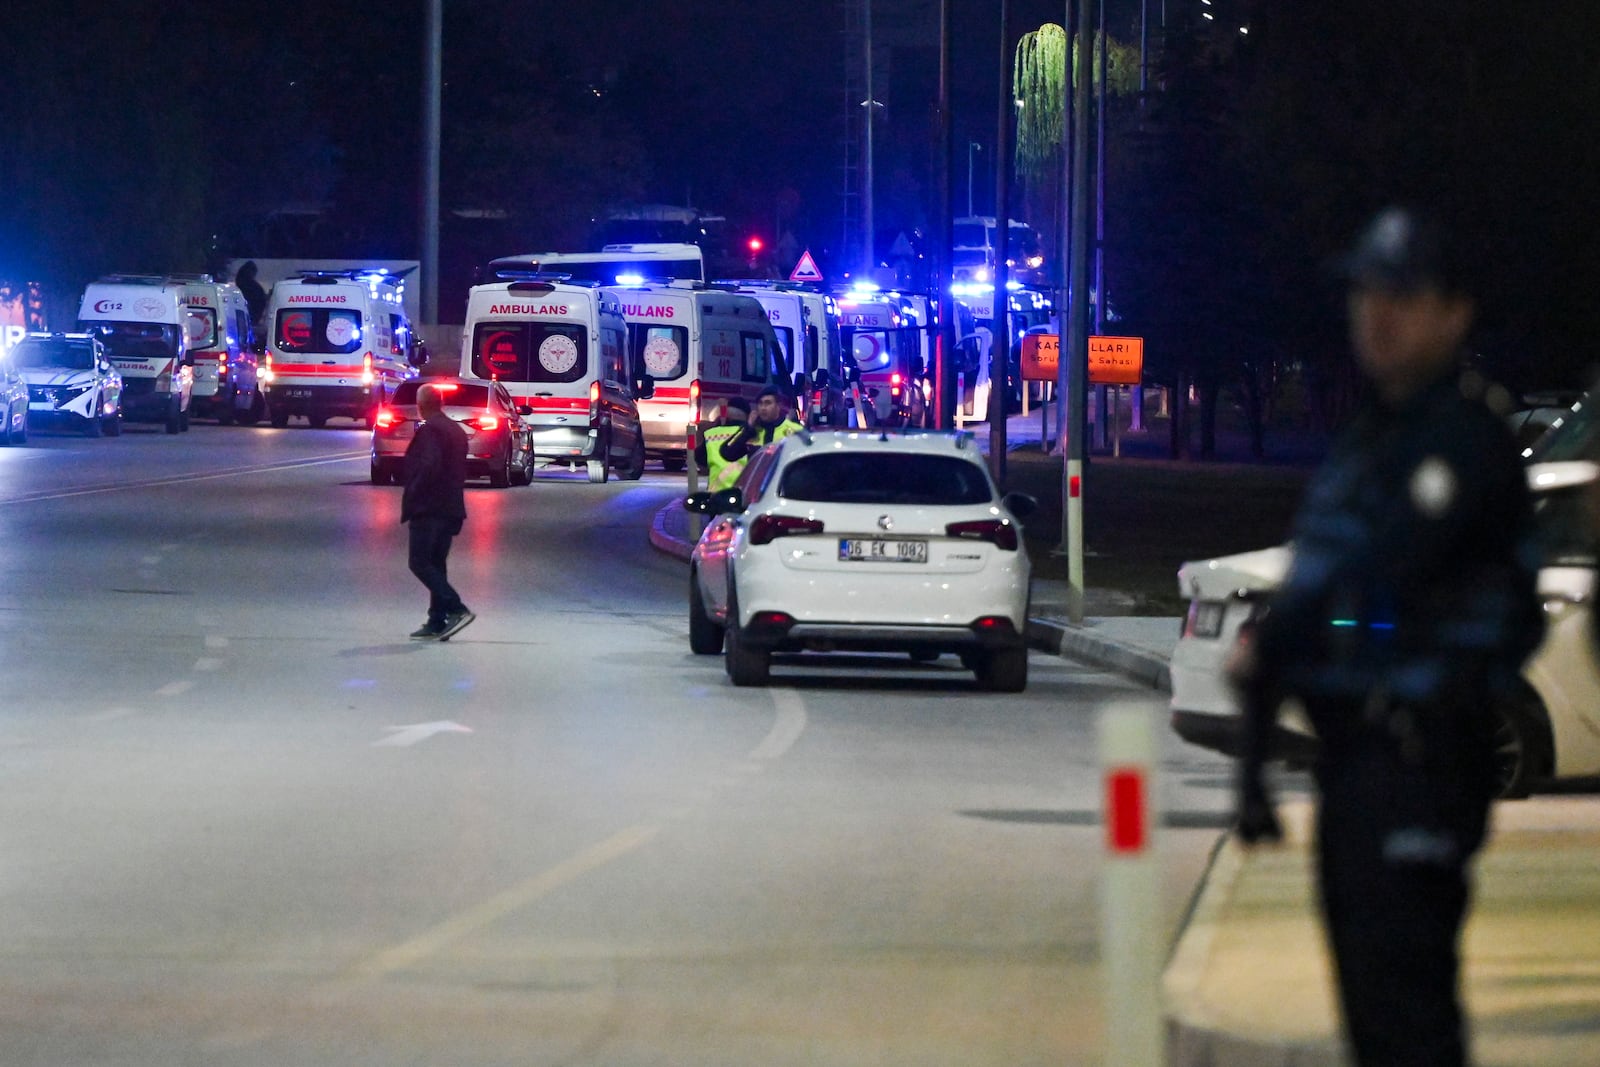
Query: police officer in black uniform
x=1401, y=626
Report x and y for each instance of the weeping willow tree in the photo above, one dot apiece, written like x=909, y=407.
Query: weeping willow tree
x=1039, y=75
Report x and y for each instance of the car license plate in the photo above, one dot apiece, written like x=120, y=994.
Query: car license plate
x=882, y=550
x=298, y=394
x=1205, y=618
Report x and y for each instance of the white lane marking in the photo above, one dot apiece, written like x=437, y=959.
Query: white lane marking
x=786, y=728
x=406, y=736
x=216, y=641
x=497, y=907
x=207, y=663
x=261, y=468
x=172, y=689
x=149, y=561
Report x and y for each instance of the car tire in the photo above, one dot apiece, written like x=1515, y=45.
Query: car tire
x=381, y=475
x=92, y=426
x=224, y=408
x=112, y=424
x=747, y=665
x=674, y=463
x=1522, y=745
x=19, y=434
x=279, y=419
x=500, y=473
x=317, y=422
x=252, y=414
x=598, y=471
x=635, y=468
x=174, y=423
x=705, y=633
x=1004, y=670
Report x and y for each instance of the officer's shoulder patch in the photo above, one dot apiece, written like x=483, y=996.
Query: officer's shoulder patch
x=1433, y=487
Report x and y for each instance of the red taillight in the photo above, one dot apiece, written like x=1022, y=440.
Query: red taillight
x=694, y=401
x=997, y=532
x=594, y=400
x=367, y=377
x=993, y=624
x=487, y=422
x=770, y=527
x=771, y=620
x=386, y=419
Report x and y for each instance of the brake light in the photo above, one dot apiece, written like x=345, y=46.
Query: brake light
x=768, y=528
x=894, y=384
x=387, y=419
x=694, y=400
x=998, y=532
x=487, y=422
x=266, y=373
x=367, y=377
x=771, y=620
x=594, y=400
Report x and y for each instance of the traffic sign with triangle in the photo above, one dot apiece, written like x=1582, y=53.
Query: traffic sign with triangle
x=806, y=270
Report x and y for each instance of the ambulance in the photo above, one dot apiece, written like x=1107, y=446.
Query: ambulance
x=701, y=345
x=338, y=344
x=561, y=349
x=221, y=340
x=806, y=321
x=141, y=320
x=885, y=339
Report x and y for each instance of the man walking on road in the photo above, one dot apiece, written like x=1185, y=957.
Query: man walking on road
x=1401, y=626
x=434, y=504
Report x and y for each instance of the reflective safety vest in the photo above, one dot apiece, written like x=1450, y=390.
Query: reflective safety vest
x=722, y=473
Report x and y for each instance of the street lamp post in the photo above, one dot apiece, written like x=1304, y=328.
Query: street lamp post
x=972, y=146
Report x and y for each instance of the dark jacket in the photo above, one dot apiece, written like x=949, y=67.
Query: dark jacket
x=750, y=438
x=1411, y=602
x=436, y=471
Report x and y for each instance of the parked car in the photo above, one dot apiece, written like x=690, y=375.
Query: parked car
x=863, y=541
x=13, y=402
x=499, y=444
x=1550, y=732
x=71, y=382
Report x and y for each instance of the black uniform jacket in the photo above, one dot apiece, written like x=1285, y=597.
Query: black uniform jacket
x=436, y=471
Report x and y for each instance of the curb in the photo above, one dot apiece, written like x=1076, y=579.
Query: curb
x=1076, y=642
x=666, y=542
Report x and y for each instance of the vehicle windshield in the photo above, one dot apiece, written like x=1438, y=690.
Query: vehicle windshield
x=877, y=350
x=139, y=340
x=317, y=331
x=530, y=351
x=663, y=350
x=1573, y=436
x=886, y=478
x=36, y=352
x=454, y=394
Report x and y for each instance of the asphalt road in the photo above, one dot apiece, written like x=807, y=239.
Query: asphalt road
x=246, y=822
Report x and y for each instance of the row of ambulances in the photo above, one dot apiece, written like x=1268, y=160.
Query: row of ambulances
x=143, y=323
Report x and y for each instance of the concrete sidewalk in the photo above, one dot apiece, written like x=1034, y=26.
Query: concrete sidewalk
x=1249, y=984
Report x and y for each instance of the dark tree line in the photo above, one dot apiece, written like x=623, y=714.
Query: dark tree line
x=1255, y=158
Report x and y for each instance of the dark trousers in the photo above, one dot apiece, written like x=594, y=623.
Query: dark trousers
x=430, y=548
x=1394, y=880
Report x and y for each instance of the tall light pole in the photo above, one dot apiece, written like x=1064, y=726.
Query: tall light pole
x=429, y=223
x=972, y=146
x=869, y=259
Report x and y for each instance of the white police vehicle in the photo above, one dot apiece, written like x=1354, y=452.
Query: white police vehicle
x=71, y=383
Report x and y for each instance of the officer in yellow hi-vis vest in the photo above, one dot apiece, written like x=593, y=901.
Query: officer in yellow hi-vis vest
x=769, y=422
x=720, y=473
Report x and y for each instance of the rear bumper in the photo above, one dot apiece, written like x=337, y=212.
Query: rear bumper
x=566, y=442
x=292, y=399
x=879, y=637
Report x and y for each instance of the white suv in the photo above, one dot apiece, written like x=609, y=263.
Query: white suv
x=863, y=541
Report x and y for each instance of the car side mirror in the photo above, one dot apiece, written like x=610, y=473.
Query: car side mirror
x=419, y=356
x=645, y=387
x=800, y=384
x=1020, y=504
x=822, y=379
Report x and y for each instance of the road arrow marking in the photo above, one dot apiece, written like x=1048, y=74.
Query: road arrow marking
x=404, y=736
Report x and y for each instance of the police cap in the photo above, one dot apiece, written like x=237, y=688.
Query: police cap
x=1403, y=250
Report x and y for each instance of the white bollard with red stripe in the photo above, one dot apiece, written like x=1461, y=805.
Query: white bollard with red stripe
x=1130, y=897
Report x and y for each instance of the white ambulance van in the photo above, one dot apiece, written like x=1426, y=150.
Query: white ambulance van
x=221, y=341
x=141, y=320
x=562, y=352
x=806, y=321
x=701, y=345
x=338, y=344
x=885, y=340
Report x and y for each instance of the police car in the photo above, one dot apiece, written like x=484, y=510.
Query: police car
x=71, y=383
x=1550, y=732
x=863, y=541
